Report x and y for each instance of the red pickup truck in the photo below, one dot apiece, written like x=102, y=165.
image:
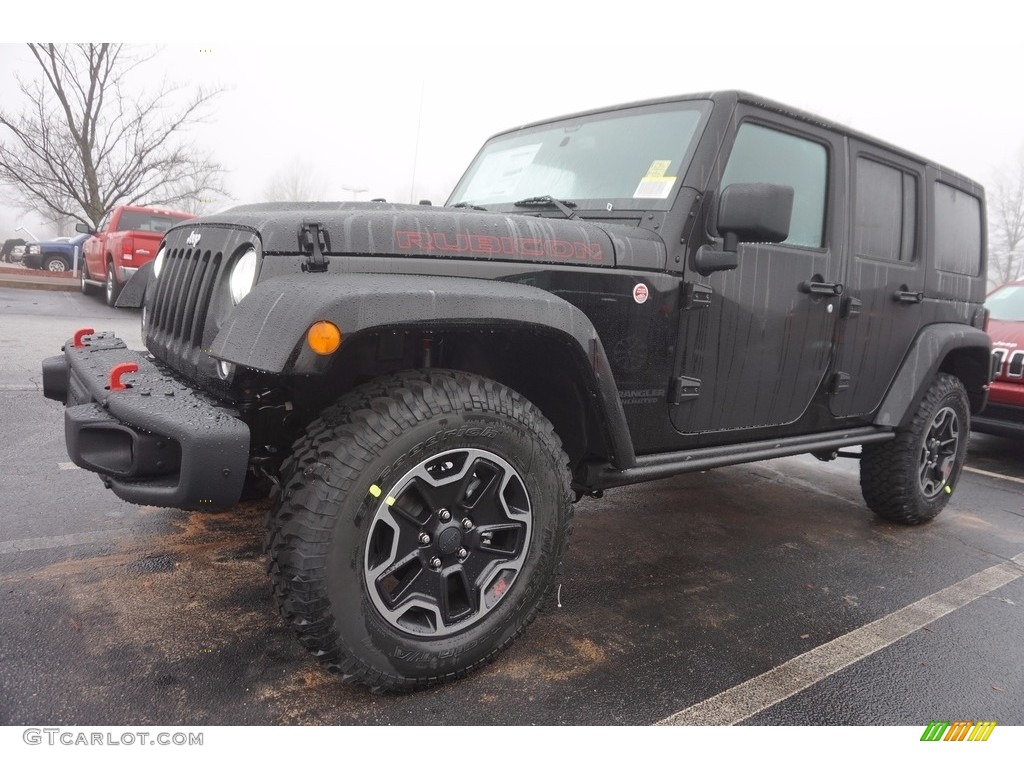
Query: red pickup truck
x=126, y=239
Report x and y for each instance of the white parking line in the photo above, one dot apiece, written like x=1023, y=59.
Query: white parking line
x=986, y=473
x=67, y=465
x=764, y=691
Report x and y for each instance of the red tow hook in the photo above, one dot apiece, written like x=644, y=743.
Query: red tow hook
x=118, y=371
x=79, y=334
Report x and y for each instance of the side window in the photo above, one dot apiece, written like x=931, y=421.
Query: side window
x=957, y=229
x=768, y=156
x=885, y=212
x=105, y=224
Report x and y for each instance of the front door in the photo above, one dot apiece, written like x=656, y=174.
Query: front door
x=758, y=348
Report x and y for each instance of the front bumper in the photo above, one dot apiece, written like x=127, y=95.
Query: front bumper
x=159, y=441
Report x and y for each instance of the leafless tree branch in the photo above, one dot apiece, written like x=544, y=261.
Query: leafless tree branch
x=83, y=145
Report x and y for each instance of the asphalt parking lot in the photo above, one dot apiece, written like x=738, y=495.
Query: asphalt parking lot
x=678, y=596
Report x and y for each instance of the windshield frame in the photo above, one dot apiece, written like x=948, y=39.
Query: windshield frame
x=702, y=106
x=1014, y=288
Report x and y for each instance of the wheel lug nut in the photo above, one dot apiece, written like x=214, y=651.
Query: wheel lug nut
x=435, y=563
x=424, y=539
x=462, y=553
x=466, y=523
x=445, y=515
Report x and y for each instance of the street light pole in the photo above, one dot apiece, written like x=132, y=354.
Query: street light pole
x=356, y=191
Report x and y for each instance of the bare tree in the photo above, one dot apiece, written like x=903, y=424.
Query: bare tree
x=296, y=182
x=1006, y=224
x=85, y=143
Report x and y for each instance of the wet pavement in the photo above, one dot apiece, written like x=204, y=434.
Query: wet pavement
x=673, y=592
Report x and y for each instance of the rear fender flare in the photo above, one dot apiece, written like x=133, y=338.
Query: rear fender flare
x=930, y=349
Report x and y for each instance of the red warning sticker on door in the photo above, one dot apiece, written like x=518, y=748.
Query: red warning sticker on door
x=640, y=293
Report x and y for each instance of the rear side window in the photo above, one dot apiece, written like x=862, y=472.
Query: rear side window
x=145, y=221
x=957, y=229
x=885, y=212
x=768, y=156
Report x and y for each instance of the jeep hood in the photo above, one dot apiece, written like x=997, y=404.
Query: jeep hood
x=419, y=230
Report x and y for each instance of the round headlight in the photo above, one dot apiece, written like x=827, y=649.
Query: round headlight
x=158, y=262
x=242, y=276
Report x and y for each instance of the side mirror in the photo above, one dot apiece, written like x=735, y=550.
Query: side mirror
x=747, y=213
x=754, y=213
x=85, y=229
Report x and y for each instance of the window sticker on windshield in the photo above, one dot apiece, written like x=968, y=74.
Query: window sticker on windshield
x=499, y=174
x=655, y=186
x=657, y=169
x=655, y=183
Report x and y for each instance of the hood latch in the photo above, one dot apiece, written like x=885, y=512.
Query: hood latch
x=314, y=241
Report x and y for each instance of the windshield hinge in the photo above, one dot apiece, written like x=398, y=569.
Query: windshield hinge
x=695, y=296
x=683, y=388
x=314, y=241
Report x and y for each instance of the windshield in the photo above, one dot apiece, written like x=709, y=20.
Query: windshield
x=1007, y=303
x=630, y=158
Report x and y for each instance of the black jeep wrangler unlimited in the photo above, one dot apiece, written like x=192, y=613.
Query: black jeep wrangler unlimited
x=607, y=298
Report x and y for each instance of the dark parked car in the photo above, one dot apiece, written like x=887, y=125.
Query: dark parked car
x=607, y=298
x=54, y=255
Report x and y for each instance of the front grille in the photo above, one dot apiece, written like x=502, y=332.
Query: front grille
x=176, y=315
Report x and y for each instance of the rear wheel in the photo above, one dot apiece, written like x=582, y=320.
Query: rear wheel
x=421, y=522
x=909, y=479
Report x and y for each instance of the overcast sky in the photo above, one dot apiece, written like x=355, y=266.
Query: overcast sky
x=383, y=99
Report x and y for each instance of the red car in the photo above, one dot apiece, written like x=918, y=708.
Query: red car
x=127, y=238
x=1004, y=414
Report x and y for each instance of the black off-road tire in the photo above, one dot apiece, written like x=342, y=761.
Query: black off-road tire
x=328, y=508
x=898, y=479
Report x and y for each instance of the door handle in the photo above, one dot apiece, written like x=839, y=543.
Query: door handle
x=904, y=296
x=817, y=286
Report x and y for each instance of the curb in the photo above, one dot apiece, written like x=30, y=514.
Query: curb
x=38, y=285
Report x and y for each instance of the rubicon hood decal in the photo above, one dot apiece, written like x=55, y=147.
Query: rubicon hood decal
x=580, y=251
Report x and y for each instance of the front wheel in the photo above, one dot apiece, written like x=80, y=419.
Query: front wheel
x=910, y=479
x=113, y=288
x=55, y=264
x=422, y=521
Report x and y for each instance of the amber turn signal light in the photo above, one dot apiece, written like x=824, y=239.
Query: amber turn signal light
x=323, y=337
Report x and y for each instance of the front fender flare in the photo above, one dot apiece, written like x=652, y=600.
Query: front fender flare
x=266, y=330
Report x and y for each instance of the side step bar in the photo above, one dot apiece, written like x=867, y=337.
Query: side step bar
x=662, y=465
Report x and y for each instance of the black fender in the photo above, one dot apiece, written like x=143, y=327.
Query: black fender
x=266, y=331
x=134, y=291
x=933, y=350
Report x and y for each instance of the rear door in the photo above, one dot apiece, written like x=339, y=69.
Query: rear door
x=757, y=347
x=881, y=309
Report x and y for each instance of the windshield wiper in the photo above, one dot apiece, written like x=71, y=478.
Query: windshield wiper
x=565, y=206
x=468, y=205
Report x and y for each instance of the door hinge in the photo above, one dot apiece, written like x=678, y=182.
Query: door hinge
x=696, y=296
x=851, y=307
x=314, y=241
x=683, y=388
x=840, y=382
